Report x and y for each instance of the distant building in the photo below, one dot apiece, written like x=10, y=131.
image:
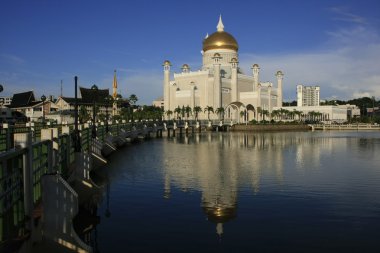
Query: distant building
x=352, y=110
x=374, y=111
x=5, y=101
x=308, y=95
x=327, y=113
x=159, y=102
x=26, y=104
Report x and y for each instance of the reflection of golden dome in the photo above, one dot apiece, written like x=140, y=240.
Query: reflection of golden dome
x=220, y=40
x=220, y=214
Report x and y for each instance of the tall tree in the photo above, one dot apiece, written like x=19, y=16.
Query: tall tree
x=209, y=109
x=220, y=112
x=197, y=110
x=133, y=99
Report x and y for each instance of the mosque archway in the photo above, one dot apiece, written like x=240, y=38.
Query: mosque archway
x=234, y=109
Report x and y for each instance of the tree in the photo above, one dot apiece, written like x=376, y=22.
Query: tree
x=242, y=114
x=188, y=112
x=265, y=113
x=83, y=114
x=169, y=113
x=259, y=111
x=177, y=111
x=298, y=113
x=209, y=109
x=197, y=110
x=133, y=99
x=183, y=111
x=220, y=112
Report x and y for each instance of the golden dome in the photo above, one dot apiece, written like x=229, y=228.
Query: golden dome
x=166, y=63
x=220, y=40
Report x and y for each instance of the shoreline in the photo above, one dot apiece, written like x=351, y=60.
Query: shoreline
x=270, y=128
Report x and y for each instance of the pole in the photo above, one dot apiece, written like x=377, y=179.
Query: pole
x=77, y=146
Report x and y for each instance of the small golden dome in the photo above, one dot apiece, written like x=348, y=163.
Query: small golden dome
x=166, y=63
x=220, y=40
x=279, y=73
x=185, y=66
x=255, y=65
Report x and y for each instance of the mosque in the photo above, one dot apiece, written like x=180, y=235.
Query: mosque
x=220, y=83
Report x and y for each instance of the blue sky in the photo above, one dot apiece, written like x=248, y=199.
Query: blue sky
x=330, y=43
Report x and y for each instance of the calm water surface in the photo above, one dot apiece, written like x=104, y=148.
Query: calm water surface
x=239, y=192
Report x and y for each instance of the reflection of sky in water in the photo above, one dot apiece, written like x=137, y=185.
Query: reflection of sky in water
x=298, y=188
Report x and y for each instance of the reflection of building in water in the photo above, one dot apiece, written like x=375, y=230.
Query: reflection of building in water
x=219, y=164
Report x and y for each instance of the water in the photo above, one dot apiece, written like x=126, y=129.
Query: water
x=239, y=192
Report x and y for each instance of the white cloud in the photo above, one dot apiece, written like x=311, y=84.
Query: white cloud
x=347, y=67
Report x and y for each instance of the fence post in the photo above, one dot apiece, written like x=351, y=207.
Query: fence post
x=8, y=143
x=24, y=140
x=66, y=130
x=47, y=134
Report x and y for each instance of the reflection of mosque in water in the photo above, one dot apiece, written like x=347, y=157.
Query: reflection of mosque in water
x=229, y=161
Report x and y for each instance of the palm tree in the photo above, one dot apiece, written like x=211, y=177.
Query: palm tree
x=209, y=109
x=265, y=113
x=275, y=114
x=220, y=112
x=169, y=113
x=133, y=99
x=183, y=111
x=188, y=112
x=259, y=111
x=196, y=110
x=298, y=113
x=242, y=114
x=178, y=111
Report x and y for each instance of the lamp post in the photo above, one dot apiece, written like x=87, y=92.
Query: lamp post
x=77, y=146
x=94, y=89
x=43, y=98
x=107, y=99
x=1, y=100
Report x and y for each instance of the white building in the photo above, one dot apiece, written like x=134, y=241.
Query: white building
x=308, y=95
x=326, y=113
x=5, y=100
x=220, y=83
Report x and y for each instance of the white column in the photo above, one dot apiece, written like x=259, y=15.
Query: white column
x=258, y=101
x=255, y=73
x=166, y=85
x=280, y=77
x=234, y=90
x=217, y=83
x=270, y=98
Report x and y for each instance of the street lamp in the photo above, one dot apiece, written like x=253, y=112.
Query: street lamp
x=1, y=100
x=43, y=98
x=77, y=146
x=107, y=99
x=94, y=89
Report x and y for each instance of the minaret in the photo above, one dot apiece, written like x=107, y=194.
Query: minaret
x=255, y=73
x=279, y=76
x=270, y=98
x=166, y=65
x=217, y=80
x=234, y=79
x=114, y=94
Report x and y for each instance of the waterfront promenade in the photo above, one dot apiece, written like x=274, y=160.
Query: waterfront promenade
x=45, y=178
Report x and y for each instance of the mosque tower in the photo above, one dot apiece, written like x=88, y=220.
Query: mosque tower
x=166, y=66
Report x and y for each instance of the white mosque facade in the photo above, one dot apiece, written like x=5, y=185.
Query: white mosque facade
x=220, y=83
